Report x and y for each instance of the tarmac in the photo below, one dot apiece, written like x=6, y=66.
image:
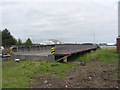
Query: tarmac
x=45, y=53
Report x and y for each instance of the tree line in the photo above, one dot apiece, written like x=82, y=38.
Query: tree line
x=8, y=40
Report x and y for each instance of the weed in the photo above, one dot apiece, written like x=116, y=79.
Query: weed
x=103, y=55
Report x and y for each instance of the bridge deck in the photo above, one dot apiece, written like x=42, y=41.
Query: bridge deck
x=67, y=53
x=72, y=52
x=46, y=53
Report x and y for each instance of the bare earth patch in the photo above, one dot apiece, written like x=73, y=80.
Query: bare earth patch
x=91, y=75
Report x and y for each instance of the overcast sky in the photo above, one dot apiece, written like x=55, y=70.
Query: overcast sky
x=66, y=21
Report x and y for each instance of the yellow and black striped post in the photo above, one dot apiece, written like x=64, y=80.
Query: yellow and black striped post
x=52, y=51
x=10, y=50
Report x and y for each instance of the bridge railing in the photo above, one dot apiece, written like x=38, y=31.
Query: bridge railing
x=59, y=48
x=40, y=48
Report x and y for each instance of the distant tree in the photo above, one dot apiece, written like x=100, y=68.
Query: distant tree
x=19, y=42
x=7, y=38
x=28, y=42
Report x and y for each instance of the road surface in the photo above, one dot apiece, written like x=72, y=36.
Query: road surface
x=45, y=53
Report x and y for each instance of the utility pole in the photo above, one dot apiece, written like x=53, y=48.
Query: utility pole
x=94, y=37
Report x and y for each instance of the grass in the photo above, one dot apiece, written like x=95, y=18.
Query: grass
x=0, y=74
x=103, y=55
x=18, y=75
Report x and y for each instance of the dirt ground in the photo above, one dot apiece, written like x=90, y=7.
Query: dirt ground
x=91, y=75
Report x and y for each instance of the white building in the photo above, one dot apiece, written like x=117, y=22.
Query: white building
x=111, y=44
x=52, y=41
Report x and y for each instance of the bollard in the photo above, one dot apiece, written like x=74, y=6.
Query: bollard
x=52, y=51
x=10, y=50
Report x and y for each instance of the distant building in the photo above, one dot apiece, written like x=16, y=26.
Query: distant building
x=52, y=41
x=111, y=44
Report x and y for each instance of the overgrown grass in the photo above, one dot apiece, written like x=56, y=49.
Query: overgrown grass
x=103, y=55
x=20, y=75
x=0, y=73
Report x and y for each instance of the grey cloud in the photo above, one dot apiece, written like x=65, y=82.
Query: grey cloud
x=68, y=22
